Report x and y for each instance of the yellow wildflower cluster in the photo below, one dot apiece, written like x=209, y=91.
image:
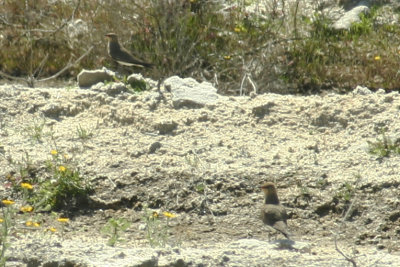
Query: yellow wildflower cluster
x=26, y=209
x=27, y=186
x=62, y=168
x=7, y=202
x=31, y=223
x=169, y=214
x=63, y=220
x=239, y=28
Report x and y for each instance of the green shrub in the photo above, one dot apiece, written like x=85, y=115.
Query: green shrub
x=57, y=185
x=367, y=54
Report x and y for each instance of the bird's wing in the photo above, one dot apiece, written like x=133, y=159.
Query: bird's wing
x=272, y=213
x=282, y=227
x=275, y=216
x=125, y=58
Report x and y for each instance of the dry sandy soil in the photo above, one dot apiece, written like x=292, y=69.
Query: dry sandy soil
x=205, y=165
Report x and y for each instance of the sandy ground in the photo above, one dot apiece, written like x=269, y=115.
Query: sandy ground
x=205, y=165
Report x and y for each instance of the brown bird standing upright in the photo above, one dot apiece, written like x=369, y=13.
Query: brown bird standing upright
x=273, y=213
x=118, y=53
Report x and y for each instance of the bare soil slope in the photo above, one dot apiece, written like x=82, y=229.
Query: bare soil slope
x=205, y=165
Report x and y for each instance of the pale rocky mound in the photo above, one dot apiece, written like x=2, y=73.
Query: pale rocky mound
x=205, y=163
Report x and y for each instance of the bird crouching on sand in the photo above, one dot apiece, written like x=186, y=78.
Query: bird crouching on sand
x=118, y=53
x=273, y=213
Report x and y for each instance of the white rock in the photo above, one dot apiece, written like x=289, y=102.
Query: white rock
x=87, y=78
x=188, y=92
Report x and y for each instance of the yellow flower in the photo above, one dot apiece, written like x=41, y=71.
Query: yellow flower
x=30, y=223
x=377, y=58
x=7, y=202
x=63, y=220
x=54, y=152
x=26, y=185
x=66, y=156
x=26, y=209
x=227, y=57
x=52, y=229
x=62, y=169
x=1, y=220
x=237, y=29
x=169, y=214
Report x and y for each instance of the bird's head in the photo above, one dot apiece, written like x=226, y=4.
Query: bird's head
x=268, y=188
x=271, y=197
x=112, y=37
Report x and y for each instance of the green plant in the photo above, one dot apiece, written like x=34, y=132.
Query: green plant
x=61, y=183
x=6, y=222
x=25, y=167
x=198, y=169
x=305, y=191
x=156, y=230
x=133, y=85
x=328, y=58
x=200, y=187
x=83, y=134
x=384, y=147
x=137, y=85
x=366, y=23
x=346, y=192
x=114, y=228
x=35, y=131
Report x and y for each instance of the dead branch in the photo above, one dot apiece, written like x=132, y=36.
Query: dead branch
x=31, y=80
x=351, y=260
x=69, y=65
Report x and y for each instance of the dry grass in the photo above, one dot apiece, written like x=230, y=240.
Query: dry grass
x=273, y=50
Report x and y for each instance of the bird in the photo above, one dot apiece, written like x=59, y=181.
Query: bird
x=118, y=53
x=273, y=213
